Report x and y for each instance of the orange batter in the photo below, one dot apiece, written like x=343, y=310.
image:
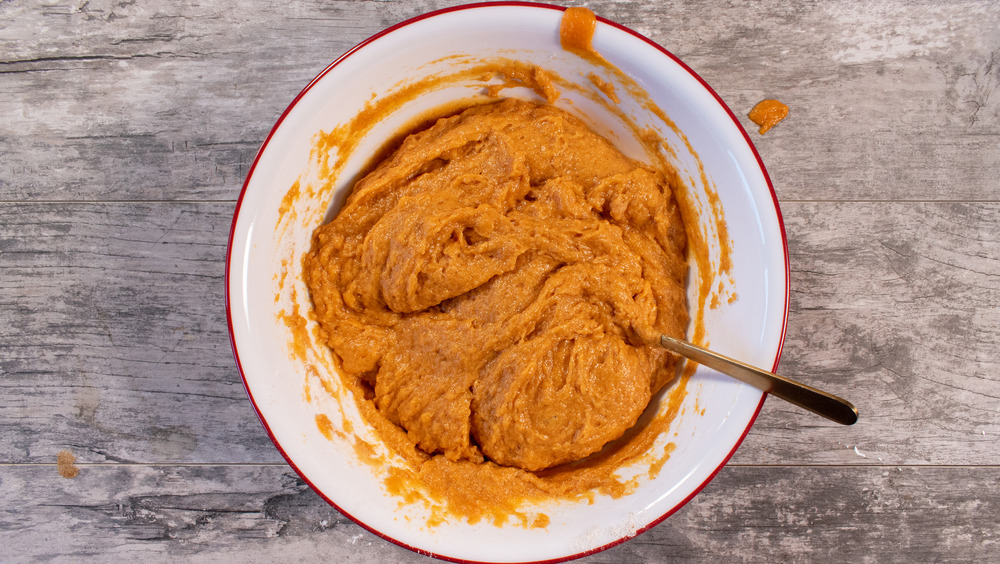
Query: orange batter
x=576, y=29
x=493, y=284
x=767, y=114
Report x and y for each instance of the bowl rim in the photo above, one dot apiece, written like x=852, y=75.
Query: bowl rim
x=387, y=31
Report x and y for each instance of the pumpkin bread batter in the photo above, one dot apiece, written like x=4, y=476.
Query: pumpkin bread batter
x=494, y=284
x=767, y=114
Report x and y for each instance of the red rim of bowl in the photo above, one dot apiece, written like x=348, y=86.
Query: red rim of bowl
x=331, y=66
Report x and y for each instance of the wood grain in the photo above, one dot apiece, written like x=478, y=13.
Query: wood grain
x=895, y=307
x=146, y=101
x=114, y=339
x=126, y=131
x=264, y=513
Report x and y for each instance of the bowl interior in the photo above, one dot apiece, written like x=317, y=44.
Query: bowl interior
x=267, y=243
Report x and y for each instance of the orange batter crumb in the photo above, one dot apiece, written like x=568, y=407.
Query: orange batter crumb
x=767, y=114
x=66, y=466
x=576, y=29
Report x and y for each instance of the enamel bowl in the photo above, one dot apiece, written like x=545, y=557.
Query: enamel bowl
x=273, y=224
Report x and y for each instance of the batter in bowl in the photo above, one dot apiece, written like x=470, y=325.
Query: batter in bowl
x=494, y=284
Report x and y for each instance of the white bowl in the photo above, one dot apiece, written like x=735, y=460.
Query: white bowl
x=266, y=244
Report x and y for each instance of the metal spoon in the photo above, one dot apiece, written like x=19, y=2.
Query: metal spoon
x=819, y=402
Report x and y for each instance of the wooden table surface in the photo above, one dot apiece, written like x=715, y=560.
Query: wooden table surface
x=126, y=130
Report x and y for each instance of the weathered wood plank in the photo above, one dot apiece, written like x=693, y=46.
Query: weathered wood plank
x=168, y=101
x=114, y=339
x=207, y=513
x=143, y=101
x=113, y=336
x=889, y=100
x=893, y=306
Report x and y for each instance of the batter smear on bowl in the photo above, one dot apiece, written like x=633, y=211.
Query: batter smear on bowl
x=494, y=281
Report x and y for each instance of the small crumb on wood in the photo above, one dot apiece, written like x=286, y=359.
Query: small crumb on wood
x=767, y=114
x=65, y=460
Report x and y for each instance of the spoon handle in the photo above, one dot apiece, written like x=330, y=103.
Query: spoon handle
x=806, y=397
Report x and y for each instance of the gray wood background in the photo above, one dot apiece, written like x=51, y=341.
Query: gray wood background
x=126, y=130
